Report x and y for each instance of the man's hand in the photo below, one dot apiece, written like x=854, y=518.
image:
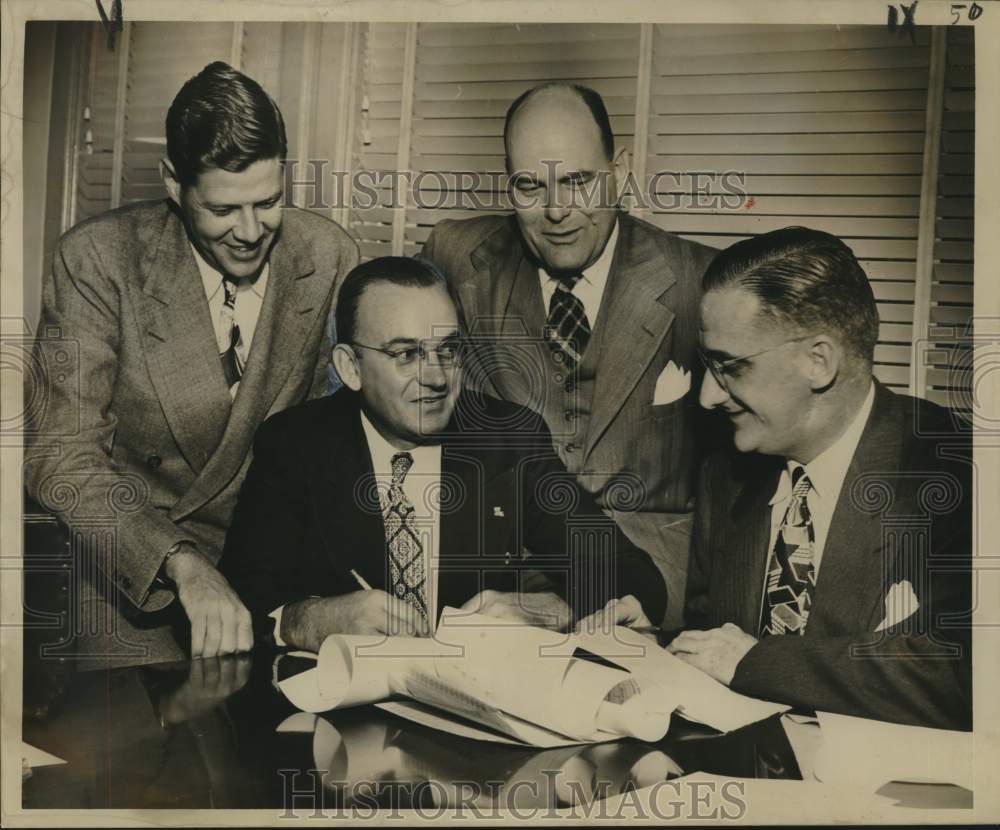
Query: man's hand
x=307, y=623
x=220, y=623
x=716, y=652
x=209, y=683
x=625, y=611
x=545, y=610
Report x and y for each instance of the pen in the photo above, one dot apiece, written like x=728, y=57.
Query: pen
x=360, y=580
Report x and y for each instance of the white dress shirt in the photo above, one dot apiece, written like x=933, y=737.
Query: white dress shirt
x=826, y=474
x=590, y=288
x=422, y=486
x=249, y=299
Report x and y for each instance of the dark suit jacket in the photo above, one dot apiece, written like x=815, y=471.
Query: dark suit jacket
x=648, y=318
x=308, y=513
x=138, y=438
x=903, y=514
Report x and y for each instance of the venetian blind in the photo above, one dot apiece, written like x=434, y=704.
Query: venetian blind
x=464, y=78
x=827, y=127
x=949, y=356
x=156, y=59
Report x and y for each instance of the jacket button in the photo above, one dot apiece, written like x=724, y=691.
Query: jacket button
x=153, y=462
x=570, y=386
x=571, y=448
x=569, y=415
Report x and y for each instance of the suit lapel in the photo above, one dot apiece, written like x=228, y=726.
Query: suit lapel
x=181, y=351
x=345, y=500
x=287, y=314
x=852, y=573
x=508, y=273
x=751, y=523
x=636, y=313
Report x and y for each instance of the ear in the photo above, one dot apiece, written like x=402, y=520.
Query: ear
x=825, y=358
x=620, y=168
x=345, y=361
x=170, y=181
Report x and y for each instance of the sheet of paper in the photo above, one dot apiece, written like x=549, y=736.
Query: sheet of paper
x=532, y=735
x=700, y=698
x=35, y=757
x=866, y=753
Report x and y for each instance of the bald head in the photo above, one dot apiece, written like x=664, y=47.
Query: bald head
x=565, y=176
x=563, y=106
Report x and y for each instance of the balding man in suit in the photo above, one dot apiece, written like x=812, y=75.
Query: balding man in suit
x=831, y=562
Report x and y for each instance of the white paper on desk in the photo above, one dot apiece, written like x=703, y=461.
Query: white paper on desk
x=698, y=697
x=35, y=757
x=532, y=735
x=500, y=662
x=869, y=753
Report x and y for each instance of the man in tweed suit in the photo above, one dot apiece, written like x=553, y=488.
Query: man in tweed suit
x=171, y=330
x=589, y=317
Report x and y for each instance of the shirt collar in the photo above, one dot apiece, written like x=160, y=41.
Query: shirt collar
x=827, y=471
x=382, y=451
x=211, y=279
x=597, y=273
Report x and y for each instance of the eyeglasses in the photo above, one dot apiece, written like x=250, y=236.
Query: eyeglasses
x=721, y=369
x=445, y=354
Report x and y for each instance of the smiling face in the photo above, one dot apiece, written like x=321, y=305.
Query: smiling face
x=405, y=405
x=232, y=218
x=767, y=398
x=566, y=208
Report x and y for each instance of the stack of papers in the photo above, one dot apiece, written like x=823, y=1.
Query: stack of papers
x=488, y=679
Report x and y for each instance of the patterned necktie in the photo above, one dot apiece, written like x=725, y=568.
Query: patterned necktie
x=232, y=352
x=567, y=327
x=791, y=577
x=406, y=554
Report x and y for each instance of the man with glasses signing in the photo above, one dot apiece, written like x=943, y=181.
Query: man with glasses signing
x=831, y=552
x=371, y=510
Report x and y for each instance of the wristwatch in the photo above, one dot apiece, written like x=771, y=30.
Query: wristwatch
x=161, y=580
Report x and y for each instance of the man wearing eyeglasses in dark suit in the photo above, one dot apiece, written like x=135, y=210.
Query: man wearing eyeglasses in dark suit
x=371, y=510
x=831, y=552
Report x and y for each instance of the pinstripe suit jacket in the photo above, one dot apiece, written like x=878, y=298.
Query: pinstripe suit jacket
x=135, y=436
x=903, y=515
x=648, y=318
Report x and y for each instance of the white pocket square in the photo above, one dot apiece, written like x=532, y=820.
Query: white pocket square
x=901, y=602
x=673, y=383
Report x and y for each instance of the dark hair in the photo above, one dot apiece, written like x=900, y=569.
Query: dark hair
x=589, y=97
x=396, y=270
x=222, y=119
x=804, y=277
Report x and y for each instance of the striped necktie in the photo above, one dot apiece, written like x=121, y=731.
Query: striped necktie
x=791, y=576
x=232, y=352
x=406, y=553
x=567, y=327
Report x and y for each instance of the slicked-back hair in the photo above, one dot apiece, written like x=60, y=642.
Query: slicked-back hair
x=222, y=119
x=804, y=278
x=588, y=96
x=394, y=270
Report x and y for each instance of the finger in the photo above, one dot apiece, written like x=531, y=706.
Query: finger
x=243, y=665
x=229, y=620
x=213, y=675
x=213, y=633
x=198, y=626
x=244, y=632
